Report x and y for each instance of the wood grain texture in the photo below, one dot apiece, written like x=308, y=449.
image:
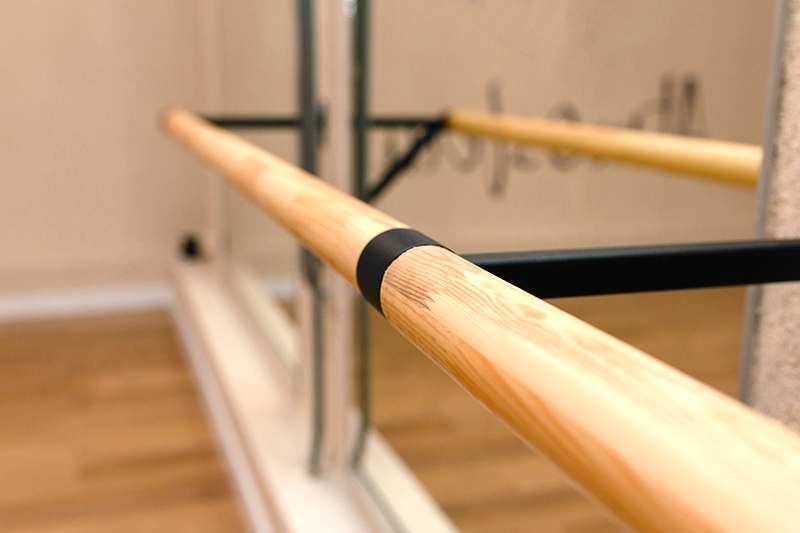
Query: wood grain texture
x=102, y=430
x=449, y=441
x=661, y=450
x=728, y=162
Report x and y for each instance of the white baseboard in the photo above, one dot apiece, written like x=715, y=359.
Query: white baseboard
x=261, y=425
x=282, y=288
x=106, y=299
x=62, y=303
x=256, y=510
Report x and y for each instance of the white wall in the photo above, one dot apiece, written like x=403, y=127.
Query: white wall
x=91, y=192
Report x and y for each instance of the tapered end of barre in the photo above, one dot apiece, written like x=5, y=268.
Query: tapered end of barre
x=167, y=116
x=170, y=117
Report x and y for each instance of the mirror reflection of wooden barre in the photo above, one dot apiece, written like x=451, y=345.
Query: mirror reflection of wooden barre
x=729, y=162
x=663, y=451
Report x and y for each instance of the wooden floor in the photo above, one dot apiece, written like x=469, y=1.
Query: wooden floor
x=101, y=431
x=485, y=479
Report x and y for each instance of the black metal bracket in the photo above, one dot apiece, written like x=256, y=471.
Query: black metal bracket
x=595, y=271
x=400, y=164
x=431, y=127
x=190, y=247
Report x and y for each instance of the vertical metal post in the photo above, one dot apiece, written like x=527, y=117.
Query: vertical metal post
x=361, y=96
x=361, y=168
x=306, y=86
x=308, y=112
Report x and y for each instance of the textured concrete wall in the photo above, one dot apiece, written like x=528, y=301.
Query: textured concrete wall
x=772, y=364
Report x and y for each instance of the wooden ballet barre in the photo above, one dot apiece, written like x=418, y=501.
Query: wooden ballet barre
x=663, y=451
x=729, y=162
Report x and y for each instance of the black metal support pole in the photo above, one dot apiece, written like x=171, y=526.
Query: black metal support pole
x=360, y=169
x=594, y=271
x=306, y=97
x=361, y=98
x=306, y=87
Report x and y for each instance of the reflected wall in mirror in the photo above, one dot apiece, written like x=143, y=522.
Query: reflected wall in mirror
x=257, y=76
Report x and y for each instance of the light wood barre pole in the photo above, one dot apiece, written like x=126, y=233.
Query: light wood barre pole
x=728, y=162
x=663, y=451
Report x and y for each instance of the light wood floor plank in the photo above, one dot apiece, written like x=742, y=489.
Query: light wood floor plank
x=101, y=430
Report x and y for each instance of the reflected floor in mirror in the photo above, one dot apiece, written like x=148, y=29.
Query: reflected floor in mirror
x=484, y=478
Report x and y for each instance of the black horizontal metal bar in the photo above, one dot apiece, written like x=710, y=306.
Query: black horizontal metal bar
x=269, y=121
x=388, y=122
x=254, y=122
x=594, y=271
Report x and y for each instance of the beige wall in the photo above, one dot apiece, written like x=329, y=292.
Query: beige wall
x=91, y=192
x=605, y=58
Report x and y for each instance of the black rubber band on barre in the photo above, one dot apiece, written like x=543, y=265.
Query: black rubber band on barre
x=379, y=254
